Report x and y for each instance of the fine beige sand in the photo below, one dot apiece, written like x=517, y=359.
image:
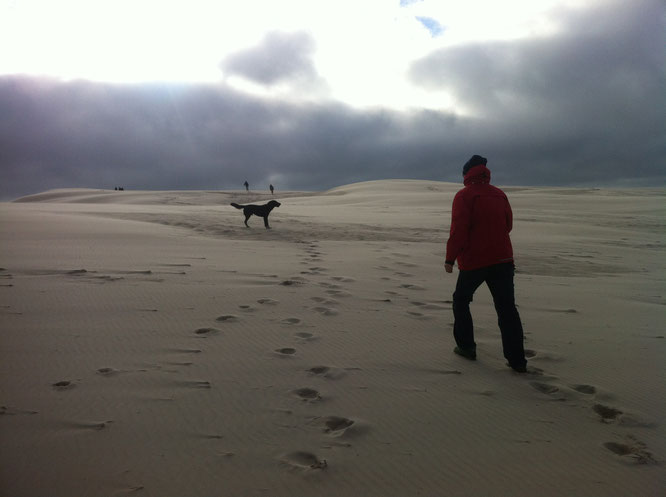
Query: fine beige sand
x=154, y=346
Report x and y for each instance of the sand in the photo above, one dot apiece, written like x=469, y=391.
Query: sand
x=152, y=345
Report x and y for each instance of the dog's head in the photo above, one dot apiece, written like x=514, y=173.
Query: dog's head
x=274, y=203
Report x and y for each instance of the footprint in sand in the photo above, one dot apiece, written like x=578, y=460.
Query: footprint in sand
x=246, y=308
x=206, y=332
x=327, y=372
x=291, y=321
x=436, y=307
x=325, y=311
x=612, y=415
x=107, y=371
x=544, y=387
x=302, y=460
x=563, y=311
x=63, y=385
x=307, y=394
x=338, y=426
x=295, y=281
x=339, y=293
x=184, y=351
x=343, y=279
x=267, y=301
x=312, y=271
x=586, y=389
x=286, y=351
x=411, y=287
x=305, y=336
x=607, y=414
x=194, y=384
x=633, y=449
x=227, y=318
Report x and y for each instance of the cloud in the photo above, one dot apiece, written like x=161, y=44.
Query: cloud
x=279, y=57
x=80, y=134
x=582, y=106
x=590, y=95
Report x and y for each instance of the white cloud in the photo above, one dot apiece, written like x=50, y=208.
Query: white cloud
x=363, y=49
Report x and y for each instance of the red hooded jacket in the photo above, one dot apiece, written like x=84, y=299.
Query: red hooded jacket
x=481, y=220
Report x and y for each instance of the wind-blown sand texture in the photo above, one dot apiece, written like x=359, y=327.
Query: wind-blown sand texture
x=152, y=345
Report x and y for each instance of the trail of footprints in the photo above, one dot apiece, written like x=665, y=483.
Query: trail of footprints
x=332, y=427
x=338, y=427
x=631, y=448
x=400, y=282
x=327, y=306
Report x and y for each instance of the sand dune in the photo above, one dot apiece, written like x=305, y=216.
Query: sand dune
x=152, y=345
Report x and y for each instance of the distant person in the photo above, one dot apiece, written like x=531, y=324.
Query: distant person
x=271, y=187
x=481, y=219
x=247, y=186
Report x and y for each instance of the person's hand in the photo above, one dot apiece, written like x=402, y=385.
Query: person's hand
x=448, y=267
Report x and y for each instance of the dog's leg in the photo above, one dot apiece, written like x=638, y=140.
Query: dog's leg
x=266, y=223
x=247, y=216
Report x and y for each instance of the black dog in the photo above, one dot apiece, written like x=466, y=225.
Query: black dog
x=258, y=210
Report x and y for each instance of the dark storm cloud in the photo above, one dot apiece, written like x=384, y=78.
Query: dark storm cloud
x=82, y=134
x=584, y=106
x=279, y=57
x=587, y=102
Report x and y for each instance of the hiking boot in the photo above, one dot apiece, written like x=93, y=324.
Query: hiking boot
x=518, y=368
x=466, y=353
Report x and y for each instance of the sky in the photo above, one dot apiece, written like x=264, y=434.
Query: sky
x=309, y=95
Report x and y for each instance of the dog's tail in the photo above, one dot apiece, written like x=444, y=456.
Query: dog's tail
x=236, y=205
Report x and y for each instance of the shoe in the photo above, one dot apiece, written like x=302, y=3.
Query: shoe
x=466, y=353
x=518, y=369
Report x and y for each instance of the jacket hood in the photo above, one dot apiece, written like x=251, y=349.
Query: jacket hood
x=477, y=175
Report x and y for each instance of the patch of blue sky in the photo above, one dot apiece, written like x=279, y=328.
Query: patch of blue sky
x=431, y=25
x=405, y=3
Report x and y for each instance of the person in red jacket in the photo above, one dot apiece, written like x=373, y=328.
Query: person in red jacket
x=481, y=220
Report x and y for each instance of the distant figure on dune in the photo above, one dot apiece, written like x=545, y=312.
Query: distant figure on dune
x=481, y=219
x=271, y=188
x=247, y=186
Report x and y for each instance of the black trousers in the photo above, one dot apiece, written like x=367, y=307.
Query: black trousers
x=499, y=279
